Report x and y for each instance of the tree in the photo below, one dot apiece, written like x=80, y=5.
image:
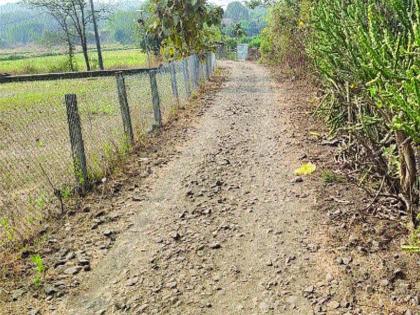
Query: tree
x=236, y=11
x=80, y=17
x=237, y=30
x=149, y=39
x=60, y=11
x=97, y=39
x=122, y=26
x=185, y=26
x=74, y=16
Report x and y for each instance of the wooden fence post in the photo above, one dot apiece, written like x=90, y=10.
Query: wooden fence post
x=125, y=110
x=156, y=100
x=174, y=83
x=76, y=141
x=186, y=73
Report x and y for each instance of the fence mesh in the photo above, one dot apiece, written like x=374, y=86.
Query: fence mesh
x=35, y=151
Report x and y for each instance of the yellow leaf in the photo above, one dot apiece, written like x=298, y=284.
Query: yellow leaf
x=314, y=134
x=305, y=169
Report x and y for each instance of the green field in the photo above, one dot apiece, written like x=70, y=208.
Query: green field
x=35, y=148
x=35, y=135
x=113, y=59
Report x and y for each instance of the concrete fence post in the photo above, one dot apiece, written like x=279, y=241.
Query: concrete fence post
x=76, y=142
x=199, y=71
x=214, y=62
x=186, y=72
x=155, y=99
x=174, y=82
x=208, y=66
x=196, y=71
x=125, y=110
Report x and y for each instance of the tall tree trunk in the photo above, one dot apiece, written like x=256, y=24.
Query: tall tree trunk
x=97, y=39
x=70, y=48
x=85, y=52
x=408, y=174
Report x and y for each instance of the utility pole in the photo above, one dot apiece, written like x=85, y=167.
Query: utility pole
x=98, y=41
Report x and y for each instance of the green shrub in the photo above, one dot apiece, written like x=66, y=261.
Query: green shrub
x=255, y=42
x=367, y=55
x=283, y=40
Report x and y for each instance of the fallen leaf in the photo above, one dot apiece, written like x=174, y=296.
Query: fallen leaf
x=305, y=169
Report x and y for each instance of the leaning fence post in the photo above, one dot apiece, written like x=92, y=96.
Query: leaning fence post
x=174, y=82
x=156, y=100
x=125, y=110
x=186, y=72
x=76, y=141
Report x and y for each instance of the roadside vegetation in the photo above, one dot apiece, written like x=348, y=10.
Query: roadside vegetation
x=365, y=57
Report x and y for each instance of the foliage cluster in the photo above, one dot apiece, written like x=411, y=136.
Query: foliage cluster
x=242, y=24
x=282, y=41
x=185, y=27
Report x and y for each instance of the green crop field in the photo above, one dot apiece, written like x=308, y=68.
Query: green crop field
x=113, y=59
x=35, y=147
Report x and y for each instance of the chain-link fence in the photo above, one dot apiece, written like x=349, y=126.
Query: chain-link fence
x=60, y=135
x=226, y=53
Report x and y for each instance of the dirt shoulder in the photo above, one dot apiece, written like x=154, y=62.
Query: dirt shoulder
x=209, y=218
x=359, y=236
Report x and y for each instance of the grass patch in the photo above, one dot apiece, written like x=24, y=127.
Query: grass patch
x=115, y=59
x=329, y=177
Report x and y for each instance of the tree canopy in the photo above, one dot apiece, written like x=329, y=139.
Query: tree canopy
x=236, y=11
x=185, y=26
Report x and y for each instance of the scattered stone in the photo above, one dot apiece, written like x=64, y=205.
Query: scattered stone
x=176, y=236
x=329, y=277
x=16, y=294
x=83, y=262
x=353, y=239
x=73, y=270
x=297, y=180
x=108, y=233
x=309, y=289
x=86, y=209
x=59, y=263
x=49, y=290
x=290, y=259
x=215, y=245
x=398, y=274
x=333, y=305
x=70, y=256
x=132, y=281
x=171, y=285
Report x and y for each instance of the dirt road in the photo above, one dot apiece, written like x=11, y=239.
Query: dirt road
x=208, y=218
x=223, y=228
